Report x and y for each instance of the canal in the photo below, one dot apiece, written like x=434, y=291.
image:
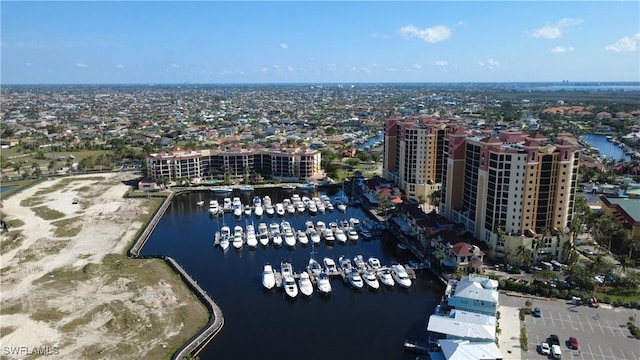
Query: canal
x=606, y=148
x=264, y=324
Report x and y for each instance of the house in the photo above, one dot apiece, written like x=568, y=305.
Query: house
x=147, y=184
x=475, y=293
x=8, y=143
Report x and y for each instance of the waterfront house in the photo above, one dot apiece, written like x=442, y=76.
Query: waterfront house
x=475, y=293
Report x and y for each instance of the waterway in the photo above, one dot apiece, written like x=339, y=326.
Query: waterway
x=606, y=147
x=348, y=324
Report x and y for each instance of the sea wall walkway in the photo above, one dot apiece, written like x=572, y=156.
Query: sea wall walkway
x=216, y=319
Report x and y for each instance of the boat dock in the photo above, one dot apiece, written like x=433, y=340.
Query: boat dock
x=338, y=273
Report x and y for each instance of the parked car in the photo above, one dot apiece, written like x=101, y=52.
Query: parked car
x=556, y=353
x=554, y=340
x=537, y=312
x=545, y=349
x=573, y=343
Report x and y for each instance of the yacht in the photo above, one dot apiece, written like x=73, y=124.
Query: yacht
x=345, y=264
x=225, y=236
x=289, y=238
x=286, y=268
x=314, y=267
x=247, y=210
x=280, y=209
x=312, y=208
x=359, y=262
x=352, y=234
x=370, y=279
x=308, y=226
x=236, y=204
x=269, y=209
x=340, y=236
x=222, y=190
x=342, y=206
x=314, y=236
x=323, y=283
x=307, y=186
x=200, y=203
x=268, y=277
x=227, y=204
x=300, y=207
x=214, y=207
x=246, y=188
x=374, y=263
x=276, y=237
x=320, y=225
x=290, y=287
x=355, y=279
x=306, y=287
x=252, y=240
x=330, y=266
x=302, y=237
x=263, y=234
x=291, y=209
x=327, y=235
x=238, y=234
x=400, y=275
x=385, y=276
x=354, y=221
x=257, y=206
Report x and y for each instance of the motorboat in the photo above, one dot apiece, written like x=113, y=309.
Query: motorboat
x=359, y=263
x=258, y=210
x=290, y=287
x=238, y=234
x=385, y=277
x=289, y=238
x=400, y=275
x=269, y=209
x=306, y=287
x=300, y=207
x=327, y=235
x=268, y=277
x=214, y=207
x=366, y=234
x=288, y=187
x=247, y=210
x=252, y=240
x=200, y=203
x=236, y=204
x=263, y=234
x=222, y=190
x=302, y=237
x=340, y=236
x=330, y=266
x=280, y=209
x=276, y=237
x=314, y=267
x=355, y=279
x=306, y=186
x=342, y=206
x=290, y=208
x=374, y=263
x=319, y=204
x=312, y=208
x=225, y=236
x=323, y=283
x=354, y=221
x=246, y=188
x=314, y=236
x=370, y=279
x=320, y=225
x=227, y=204
x=352, y=234
x=345, y=264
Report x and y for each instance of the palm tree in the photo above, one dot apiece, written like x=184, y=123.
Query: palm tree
x=421, y=200
x=624, y=263
x=523, y=254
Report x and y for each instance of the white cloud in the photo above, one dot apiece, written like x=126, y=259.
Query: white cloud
x=417, y=66
x=120, y=66
x=264, y=70
x=492, y=62
x=562, y=49
x=555, y=31
x=626, y=44
x=442, y=63
x=82, y=65
x=284, y=46
x=430, y=35
x=174, y=66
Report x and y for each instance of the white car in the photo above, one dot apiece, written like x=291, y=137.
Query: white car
x=545, y=349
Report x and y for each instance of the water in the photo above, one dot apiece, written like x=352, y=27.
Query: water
x=606, y=148
x=7, y=188
x=369, y=143
x=263, y=324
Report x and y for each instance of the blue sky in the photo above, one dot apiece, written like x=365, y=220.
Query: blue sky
x=301, y=42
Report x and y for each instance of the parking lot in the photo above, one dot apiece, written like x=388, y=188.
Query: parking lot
x=602, y=332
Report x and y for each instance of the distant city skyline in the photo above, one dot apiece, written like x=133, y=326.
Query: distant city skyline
x=214, y=42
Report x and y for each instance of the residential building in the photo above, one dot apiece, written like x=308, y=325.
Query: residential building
x=413, y=154
x=512, y=190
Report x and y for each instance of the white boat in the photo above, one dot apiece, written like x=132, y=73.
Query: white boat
x=340, y=236
x=237, y=206
x=289, y=238
x=330, y=266
x=225, y=236
x=269, y=209
x=268, y=277
x=246, y=188
x=290, y=287
x=314, y=236
x=359, y=263
x=214, y=207
x=355, y=279
x=327, y=235
x=238, y=234
x=200, y=203
x=307, y=186
x=354, y=221
x=352, y=234
x=280, y=209
x=370, y=279
x=247, y=210
x=314, y=267
x=312, y=208
x=291, y=209
x=342, y=206
x=385, y=277
x=286, y=268
x=300, y=207
x=323, y=283
x=400, y=275
x=302, y=237
x=345, y=264
x=258, y=210
x=263, y=234
x=227, y=205
x=288, y=187
x=222, y=190
x=306, y=287
x=320, y=225
x=308, y=225
x=374, y=263
x=252, y=240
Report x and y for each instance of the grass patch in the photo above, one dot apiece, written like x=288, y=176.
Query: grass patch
x=32, y=201
x=26, y=256
x=9, y=309
x=10, y=241
x=67, y=227
x=627, y=296
x=62, y=184
x=47, y=213
x=6, y=330
x=54, y=247
x=49, y=315
x=5, y=270
x=11, y=223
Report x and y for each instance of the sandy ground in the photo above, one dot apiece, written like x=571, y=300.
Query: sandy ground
x=95, y=314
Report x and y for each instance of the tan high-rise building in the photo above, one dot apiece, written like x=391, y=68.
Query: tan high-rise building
x=517, y=184
x=413, y=153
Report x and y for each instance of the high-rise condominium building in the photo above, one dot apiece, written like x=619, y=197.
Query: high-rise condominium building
x=513, y=190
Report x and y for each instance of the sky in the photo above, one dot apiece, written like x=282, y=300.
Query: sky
x=219, y=42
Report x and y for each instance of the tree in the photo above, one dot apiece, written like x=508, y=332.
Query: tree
x=17, y=166
x=523, y=254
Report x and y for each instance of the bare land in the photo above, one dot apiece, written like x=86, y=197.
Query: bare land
x=68, y=289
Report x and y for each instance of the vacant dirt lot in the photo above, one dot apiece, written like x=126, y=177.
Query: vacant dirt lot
x=68, y=290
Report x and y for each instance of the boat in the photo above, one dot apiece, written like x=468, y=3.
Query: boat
x=236, y=204
x=352, y=234
x=280, y=209
x=330, y=266
x=320, y=225
x=385, y=277
x=354, y=221
x=340, y=236
x=345, y=264
x=291, y=209
x=288, y=187
x=252, y=240
x=286, y=268
x=374, y=263
x=306, y=287
x=306, y=186
x=225, y=236
x=247, y=210
x=323, y=283
x=309, y=226
x=370, y=279
x=276, y=237
x=341, y=206
x=246, y=188
x=311, y=207
x=359, y=263
x=227, y=204
x=238, y=234
x=263, y=234
x=289, y=238
x=400, y=275
x=214, y=207
x=314, y=236
x=355, y=279
x=401, y=246
x=366, y=234
x=222, y=190
x=290, y=287
x=302, y=237
x=268, y=277
x=314, y=267
x=327, y=235
x=200, y=203
x=269, y=209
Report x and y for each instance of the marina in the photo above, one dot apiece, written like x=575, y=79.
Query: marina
x=234, y=279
